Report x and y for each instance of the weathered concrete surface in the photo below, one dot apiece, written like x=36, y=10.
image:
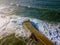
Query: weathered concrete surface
x=41, y=39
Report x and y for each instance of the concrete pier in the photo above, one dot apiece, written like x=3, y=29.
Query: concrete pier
x=41, y=39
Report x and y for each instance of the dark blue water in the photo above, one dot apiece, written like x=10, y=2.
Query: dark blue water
x=50, y=4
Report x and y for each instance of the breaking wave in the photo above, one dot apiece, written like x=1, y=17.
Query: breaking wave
x=11, y=19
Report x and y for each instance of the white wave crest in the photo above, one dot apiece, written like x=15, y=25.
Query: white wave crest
x=13, y=24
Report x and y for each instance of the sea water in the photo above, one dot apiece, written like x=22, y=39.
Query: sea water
x=42, y=9
x=14, y=12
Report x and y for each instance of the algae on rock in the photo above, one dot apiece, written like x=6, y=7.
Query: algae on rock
x=13, y=40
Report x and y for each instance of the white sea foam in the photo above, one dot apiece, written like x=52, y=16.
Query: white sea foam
x=13, y=24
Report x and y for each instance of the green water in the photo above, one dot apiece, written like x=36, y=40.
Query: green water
x=42, y=14
x=42, y=9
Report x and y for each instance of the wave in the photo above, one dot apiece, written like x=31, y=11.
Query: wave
x=12, y=16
